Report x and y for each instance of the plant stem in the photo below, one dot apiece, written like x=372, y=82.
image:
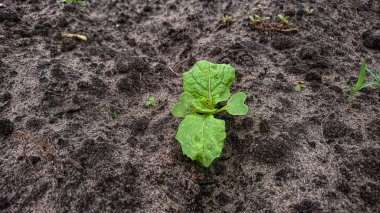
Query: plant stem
x=220, y=110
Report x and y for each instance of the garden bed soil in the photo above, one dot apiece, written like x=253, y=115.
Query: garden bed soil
x=63, y=150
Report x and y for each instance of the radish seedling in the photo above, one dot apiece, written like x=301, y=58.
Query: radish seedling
x=263, y=24
x=309, y=11
x=284, y=21
x=360, y=83
x=299, y=86
x=227, y=20
x=256, y=19
x=205, y=86
x=150, y=102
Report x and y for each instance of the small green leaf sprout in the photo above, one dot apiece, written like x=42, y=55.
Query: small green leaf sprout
x=284, y=20
x=256, y=19
x=150, y=102
x=360, y=84
x=227, y=20
x=299, y=86
x=264, y=24
x=309, y=11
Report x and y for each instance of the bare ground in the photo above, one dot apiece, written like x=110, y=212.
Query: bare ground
x=62, y=150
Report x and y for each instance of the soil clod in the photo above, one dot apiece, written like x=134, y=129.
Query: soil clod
x=6, y=127
x=371, y=39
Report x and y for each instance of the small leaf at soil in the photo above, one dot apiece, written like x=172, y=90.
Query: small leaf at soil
x=236, y=105
x=298, y=88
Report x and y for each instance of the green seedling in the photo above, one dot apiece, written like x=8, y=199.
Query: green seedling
x=150, y=102
x=284, y=20
x=360, y=84
x=206, y=86
x=227, y=20
x=115, y=116
x=299, y=86
x=256, y=19
x=73, y=1
x=309, y=11
x=263, y=24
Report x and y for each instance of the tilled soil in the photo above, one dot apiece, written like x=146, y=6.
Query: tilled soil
x=62, y=148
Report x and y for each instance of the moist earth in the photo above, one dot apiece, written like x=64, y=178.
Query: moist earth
x=62, y=149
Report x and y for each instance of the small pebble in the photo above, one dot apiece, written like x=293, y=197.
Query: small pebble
x=41, y=63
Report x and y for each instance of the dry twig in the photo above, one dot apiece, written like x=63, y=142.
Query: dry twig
x=78, y=36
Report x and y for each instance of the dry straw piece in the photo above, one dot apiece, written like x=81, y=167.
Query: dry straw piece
x=69, y=35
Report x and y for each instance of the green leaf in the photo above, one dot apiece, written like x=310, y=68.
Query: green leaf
x=361, y=76
x=201, y=137
x=150, y=102
x=115, y=115
x=200, y=106
x=368, y=84
x=184, y=107
x=188, y=105
x=298, y=88
x=360, y=81
x=375, y=76
x=236, y=105
x=210, y=82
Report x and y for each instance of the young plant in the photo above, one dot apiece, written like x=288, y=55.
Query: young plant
x=299, y=86
x=150, y=102
x=284, y=20
x=205, y=87
x=360, y=83
x=227, y=20
x=256, y=19
x=309, y=11
x=263, y=24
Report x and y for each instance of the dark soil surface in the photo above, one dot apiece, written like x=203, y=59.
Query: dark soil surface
x=61, y=150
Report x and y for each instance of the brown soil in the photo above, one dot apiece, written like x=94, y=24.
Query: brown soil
x=61, y=150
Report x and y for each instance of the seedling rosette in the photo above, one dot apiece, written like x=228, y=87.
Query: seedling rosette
x=227, y=20
x=150, y=102
x=205, y=86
